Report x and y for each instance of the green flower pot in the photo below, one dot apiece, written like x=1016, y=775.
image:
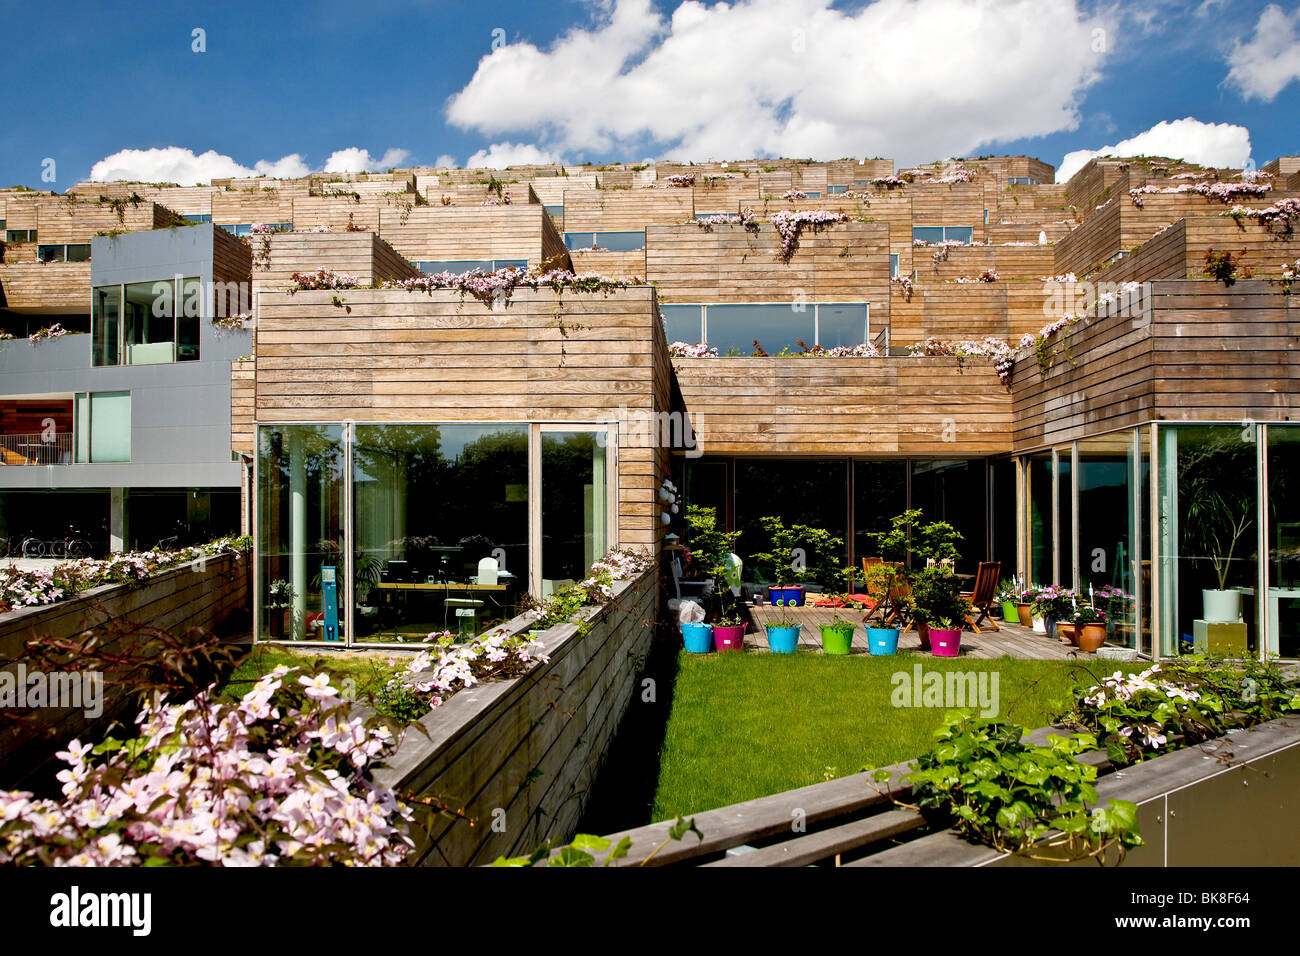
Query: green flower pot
x=836, y=640
x=1009, y=613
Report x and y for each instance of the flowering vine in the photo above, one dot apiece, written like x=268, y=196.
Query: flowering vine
x=1223, y=192
x=791, y=224
x=54, y=331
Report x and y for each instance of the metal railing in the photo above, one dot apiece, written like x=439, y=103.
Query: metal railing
x=41, y=448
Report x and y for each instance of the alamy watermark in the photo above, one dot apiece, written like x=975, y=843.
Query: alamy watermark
x=68, y=690
x=951, y=690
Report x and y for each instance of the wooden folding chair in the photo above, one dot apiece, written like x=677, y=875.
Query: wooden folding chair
x=981, y=595
x=896, y=613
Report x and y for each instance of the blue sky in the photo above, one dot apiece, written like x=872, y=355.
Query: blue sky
x=631, y=79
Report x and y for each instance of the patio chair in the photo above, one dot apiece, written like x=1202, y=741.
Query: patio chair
x=868, y=562
x=894, y=613
x=981, y=595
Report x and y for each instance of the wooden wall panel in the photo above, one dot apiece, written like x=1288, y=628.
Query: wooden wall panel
x=952, y=311
x=243, y=390
x=607, y=263
x=612, y=210
x=253, y=206
x=468, y=232
x=845, y=262
x=851, y=406
x=53, y=287
x=415, y=357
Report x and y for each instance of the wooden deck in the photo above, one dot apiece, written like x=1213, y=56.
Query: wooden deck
x=1013, y=640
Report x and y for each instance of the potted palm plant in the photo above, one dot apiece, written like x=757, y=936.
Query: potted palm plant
x=783, y=635
x=711, y=547
x=1219, y=511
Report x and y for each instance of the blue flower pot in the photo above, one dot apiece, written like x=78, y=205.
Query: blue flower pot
x=783, y=640
x=698, y=638
x=882, y=641
x=789, y=596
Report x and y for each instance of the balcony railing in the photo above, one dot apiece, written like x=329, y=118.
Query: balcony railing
x=40, y=448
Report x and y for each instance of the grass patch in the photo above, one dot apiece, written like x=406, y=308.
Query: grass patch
x=367, y=671
x=749, y=725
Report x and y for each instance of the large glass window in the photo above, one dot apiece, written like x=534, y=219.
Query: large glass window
x=1283, y=607
x=1041, y=544
x=461, y=266
x=626, y=241
x=955, y=492
x=841, y=324
x=575, y=505
x=936, y=234
x=147, y=323
x=105, y=324
x=441, y=527
x=1208, y=532
x=1109, y=528
x=300, y=531
x=733, y=328
x=103, y=426
x=879, y=493
x=808, y=492
x=683, y=323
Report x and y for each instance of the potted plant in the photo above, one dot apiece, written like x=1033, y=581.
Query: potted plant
x=697, y=637
x=938, y=606
x=798, y=553
x=1089, y=628
x=837, y=636
x=278, y=603
x=881, y=580
x=729, y=632
x=783, y=635
x=1008, y=595
x=1054, y=604
x=1025, y=607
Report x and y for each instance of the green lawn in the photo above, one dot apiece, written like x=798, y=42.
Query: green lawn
x=360, y=667
x=748, y=725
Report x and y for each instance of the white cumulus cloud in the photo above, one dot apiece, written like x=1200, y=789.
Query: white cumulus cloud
x=1266, y=65
x=1209, y=144
x=355, y=160
x=501, y=155
x=175, y=164
x=908, y=79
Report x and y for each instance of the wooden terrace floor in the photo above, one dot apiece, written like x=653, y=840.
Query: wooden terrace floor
x=1013, y=640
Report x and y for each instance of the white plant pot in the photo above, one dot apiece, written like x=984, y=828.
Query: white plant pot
x=1221, y=605
x=1040, y=625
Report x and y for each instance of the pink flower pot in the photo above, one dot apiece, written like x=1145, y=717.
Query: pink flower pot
x=729, y=638
x=945, y=643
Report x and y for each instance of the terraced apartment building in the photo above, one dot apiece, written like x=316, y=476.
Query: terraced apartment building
x=414, y=392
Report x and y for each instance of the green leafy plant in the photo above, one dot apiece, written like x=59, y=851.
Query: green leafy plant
x=1184, y=701
x=936, y=598
x=580, y=851
x=994, y=788
x=799, y=553
x=910, y=533
x=1219, y=504
x=1221, y=266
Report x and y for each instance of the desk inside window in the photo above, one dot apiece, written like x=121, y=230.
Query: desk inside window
x=392, y=586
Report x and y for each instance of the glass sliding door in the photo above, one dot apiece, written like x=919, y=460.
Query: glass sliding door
x=1040, y=524
x=1107, y=530
x=1207, y=539
x=879, y=493
x=955, y=492
x=1283, y=568
x=814, y=493
x=575, y=505
x=440, y=529
x=1065, y=517
x=300, y=496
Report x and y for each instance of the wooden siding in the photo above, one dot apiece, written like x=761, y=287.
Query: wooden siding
x=360, y=254
x=472, y=232
x=607, y=210
x=1179, y=252
x=1201, y=352
x=413, y=357
x=53, y=287
x=950, y=310
x=844, y=262
x=849, y=406
x=243, y=432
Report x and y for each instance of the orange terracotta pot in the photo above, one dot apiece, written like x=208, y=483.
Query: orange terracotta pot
x=1091, y=637
x=1069, y=632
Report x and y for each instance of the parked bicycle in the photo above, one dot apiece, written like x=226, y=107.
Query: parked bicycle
x=73, y=545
